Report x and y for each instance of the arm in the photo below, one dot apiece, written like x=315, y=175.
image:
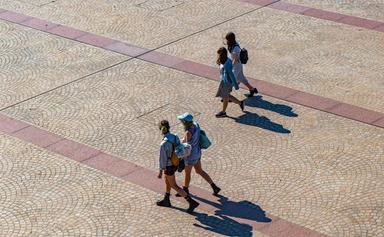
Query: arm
x=187, y=137
x=163, y=158
x=235, y=58
x=229, y=71
x=235, y=54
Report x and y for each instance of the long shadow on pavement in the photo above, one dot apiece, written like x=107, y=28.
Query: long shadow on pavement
x=222, y=223
x=259, y=102
x=242, y=209
x=253, y=119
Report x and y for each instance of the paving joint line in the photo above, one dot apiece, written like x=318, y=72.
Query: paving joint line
x=213, y=26
x=153, y=110
x=349, y=111
x=18, y=130
x=61, y=139
x=124, y=61
x=93, y=156
x=156, y=185
x=65, y=84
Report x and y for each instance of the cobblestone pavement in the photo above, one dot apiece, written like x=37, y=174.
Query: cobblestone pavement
x=360, y=8
x=33, y=62
x=312, y=55
x=308, y=167
x=43, y=194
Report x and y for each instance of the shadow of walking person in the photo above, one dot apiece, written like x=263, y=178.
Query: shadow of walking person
x=253, y=119
x=223, y=225
x=259, y=102
x=242, y=209
x=220, y=224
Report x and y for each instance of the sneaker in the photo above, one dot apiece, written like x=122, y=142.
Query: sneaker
x=185, y=189
x=164, y=203
x=216, y=190
x=242, y=105
x=221, y=114
x=192, y=206
x=253, y=92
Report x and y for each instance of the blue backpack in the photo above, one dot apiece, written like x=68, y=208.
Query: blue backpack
x=204, y=140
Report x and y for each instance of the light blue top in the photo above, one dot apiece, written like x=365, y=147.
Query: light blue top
x=227, y=76
x=194, y=142
x=237, y=66
x=166, y=149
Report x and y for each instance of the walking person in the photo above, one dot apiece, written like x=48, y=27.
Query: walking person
x=166, y=151
x=227, y=81
x=234, y=50
x=192, y=137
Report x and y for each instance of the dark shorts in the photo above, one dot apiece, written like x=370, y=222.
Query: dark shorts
x=170, y=170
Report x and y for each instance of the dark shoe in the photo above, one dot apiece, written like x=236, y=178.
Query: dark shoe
x=192, y=205
x=253, y=92
x=216, y=189
x=221, y=114
x=165, y=202
x=242, y=105
x=185, y=189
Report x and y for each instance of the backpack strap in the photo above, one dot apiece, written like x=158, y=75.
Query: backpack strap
x=173, y=145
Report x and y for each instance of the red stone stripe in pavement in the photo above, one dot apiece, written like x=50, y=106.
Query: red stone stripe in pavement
x=284, y=6
x=379, y=28
x=13, y=16
x=379, y=122
x=126, y=49
x=39, y=24
x=138, y=175
x=267, y=88
x=320, y=14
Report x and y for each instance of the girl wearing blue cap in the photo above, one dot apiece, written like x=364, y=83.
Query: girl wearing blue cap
x=166, y=150
x=227, y=81
x=192, y=137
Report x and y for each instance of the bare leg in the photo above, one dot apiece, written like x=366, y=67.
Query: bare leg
x=225, y=103
x=234, y=99
x=187, y=180
x=172, y=182
x=167, y=185
x=248, y=85
x=199, y=170
x=207, y=178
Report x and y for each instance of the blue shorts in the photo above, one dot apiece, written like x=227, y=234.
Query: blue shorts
x=191, y=161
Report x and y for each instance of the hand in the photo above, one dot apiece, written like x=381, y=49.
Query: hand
x=160, y=174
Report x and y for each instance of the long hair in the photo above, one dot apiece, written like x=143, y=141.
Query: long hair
x=187, y=125
x=221, y=56
x=231, y=40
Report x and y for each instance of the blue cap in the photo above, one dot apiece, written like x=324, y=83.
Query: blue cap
x=187, y=117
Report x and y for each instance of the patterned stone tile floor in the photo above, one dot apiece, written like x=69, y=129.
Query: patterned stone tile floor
x=367, y=9
x=43, y=194
x=32, y=62
x=130, y=21
x=305, y=166
x=313, y=55
x=309, y=167
x=319, y=57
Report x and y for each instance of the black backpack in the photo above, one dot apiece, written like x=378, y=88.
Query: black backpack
x=243, y=55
